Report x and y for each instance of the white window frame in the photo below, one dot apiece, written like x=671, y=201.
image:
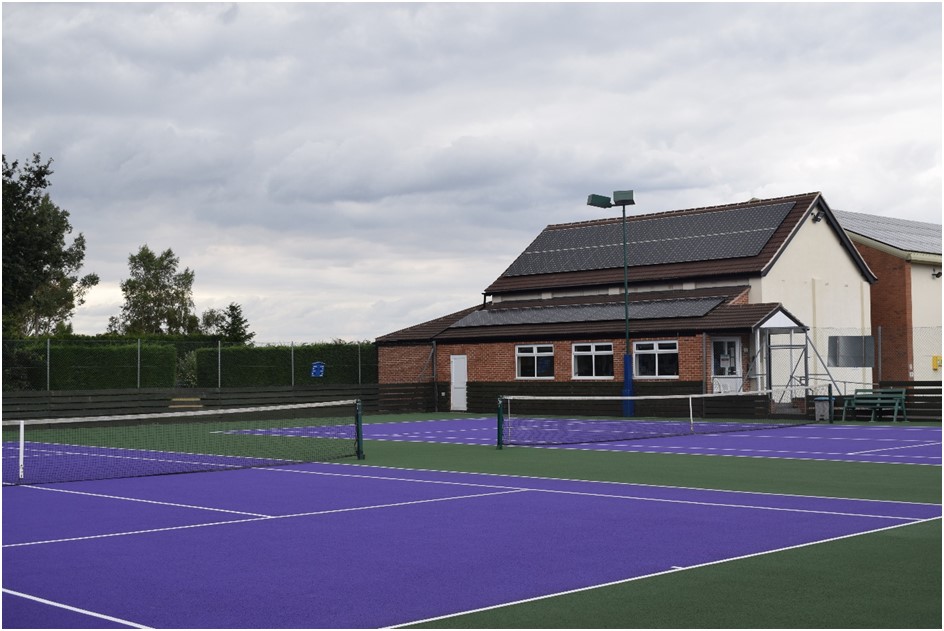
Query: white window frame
x=657, y=349
x=535, y=352
x=596, y=349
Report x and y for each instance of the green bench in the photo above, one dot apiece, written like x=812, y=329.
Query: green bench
x=877, y=400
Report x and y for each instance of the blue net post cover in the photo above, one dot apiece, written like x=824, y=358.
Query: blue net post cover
x=317, y=369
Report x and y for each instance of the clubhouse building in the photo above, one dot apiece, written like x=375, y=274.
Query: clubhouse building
x=720, y=299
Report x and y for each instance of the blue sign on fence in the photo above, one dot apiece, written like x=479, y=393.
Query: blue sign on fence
x=317, y=369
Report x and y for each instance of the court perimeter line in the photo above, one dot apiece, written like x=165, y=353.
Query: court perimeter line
x=654, y=574
x=76, y=609
x=143, y=501
x=869, y=451
x=253, y=519
x=612, y=496
x=613, y=482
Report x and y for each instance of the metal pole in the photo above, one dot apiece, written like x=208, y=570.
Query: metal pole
x=500, y=417
x=139, y=363
x=48, y=364
x=219, y=364
x=629, y=406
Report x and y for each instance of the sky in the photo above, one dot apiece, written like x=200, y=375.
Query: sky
x=343, y=171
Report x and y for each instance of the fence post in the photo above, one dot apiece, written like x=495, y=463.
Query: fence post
x=48, y=364
x=879, y=361
x=139, y=363
x=292, y=362
x=219, y=364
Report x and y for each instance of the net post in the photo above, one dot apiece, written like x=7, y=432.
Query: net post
x=691, y=414
x=829, y=395
x=21, y=459
x=359, y=428
x=501, y=423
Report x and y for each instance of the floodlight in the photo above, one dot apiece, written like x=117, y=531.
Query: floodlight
x=623, y=198
x=600, y=201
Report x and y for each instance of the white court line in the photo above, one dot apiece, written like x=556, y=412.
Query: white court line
x=254, y=519
x=606, y=482
x=869, y=451
x=639, y=578
x=606, y=495
x=636, y=448
x=143, y=501
x=86, y=612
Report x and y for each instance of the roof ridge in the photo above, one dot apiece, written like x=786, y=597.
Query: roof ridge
x=664, y=213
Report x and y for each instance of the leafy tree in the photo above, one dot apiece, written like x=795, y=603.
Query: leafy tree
x=41, y=285
x=158, y=298
x=229, y=324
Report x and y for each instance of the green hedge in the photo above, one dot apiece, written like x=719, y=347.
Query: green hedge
x=88, y=366
x=249, y=366
x=110, y=362
x=106, y=367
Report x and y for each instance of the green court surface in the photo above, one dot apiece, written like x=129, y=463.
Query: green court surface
x=887, y=579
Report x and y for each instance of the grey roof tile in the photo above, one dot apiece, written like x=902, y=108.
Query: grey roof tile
x=904, y=234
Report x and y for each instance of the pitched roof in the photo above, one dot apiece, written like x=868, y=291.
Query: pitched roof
x=733, y=240
x=705, y=309
x=901, y=234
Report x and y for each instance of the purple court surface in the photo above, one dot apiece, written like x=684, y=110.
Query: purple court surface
x=865, y=442
x=360, y=546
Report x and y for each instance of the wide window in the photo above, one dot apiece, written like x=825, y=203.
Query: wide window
x=593, y=360
x=535, y=362
x=656, y=360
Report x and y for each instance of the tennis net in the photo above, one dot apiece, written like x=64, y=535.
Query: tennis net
x=568, y=420
x=40, y=451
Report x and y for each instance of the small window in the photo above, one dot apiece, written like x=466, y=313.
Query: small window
x=656, y=360
x=535, y=362
x=593, y=361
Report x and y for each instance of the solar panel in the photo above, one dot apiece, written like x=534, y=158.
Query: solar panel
x=687, y=238
x=649, y=310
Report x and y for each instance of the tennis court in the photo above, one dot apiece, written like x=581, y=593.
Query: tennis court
x=437, y=526
x=902, y=444
x=342, y=546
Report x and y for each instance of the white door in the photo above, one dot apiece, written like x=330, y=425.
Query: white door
x=459, y=374
x=726, y=364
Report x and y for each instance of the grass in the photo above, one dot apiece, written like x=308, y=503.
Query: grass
x=885, y=579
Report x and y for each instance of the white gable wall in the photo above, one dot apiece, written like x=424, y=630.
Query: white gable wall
x=926, y=319
x=817, y=280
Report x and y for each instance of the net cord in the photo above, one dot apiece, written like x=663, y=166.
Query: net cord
x=174, y=415
x=530, y=397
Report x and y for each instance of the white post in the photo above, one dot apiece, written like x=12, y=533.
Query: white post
x=22, y=448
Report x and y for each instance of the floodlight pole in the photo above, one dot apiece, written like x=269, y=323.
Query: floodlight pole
x=623, y=198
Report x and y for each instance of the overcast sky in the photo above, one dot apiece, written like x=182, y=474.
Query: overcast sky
x=348, y=170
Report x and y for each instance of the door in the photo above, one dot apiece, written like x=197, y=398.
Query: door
x=458, y=371
x=726, y=364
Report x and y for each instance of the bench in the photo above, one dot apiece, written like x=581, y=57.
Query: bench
x=877, y=400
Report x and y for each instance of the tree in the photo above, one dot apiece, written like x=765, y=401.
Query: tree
x=41, y=286
x=158, y=298
x=229, y=324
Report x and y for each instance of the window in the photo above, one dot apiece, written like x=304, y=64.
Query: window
x=535, y=362
x=656, y=360
x=593, y=360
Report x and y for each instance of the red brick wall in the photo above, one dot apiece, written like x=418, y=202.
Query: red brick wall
x=405, y=364
x=495, y=361
x=891, y=310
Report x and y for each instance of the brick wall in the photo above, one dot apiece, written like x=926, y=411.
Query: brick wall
x=405, y=364
x=495, y=361
x=891, y=310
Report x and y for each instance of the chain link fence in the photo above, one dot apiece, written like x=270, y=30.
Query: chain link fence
x=851, y=357
x=103, y=364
